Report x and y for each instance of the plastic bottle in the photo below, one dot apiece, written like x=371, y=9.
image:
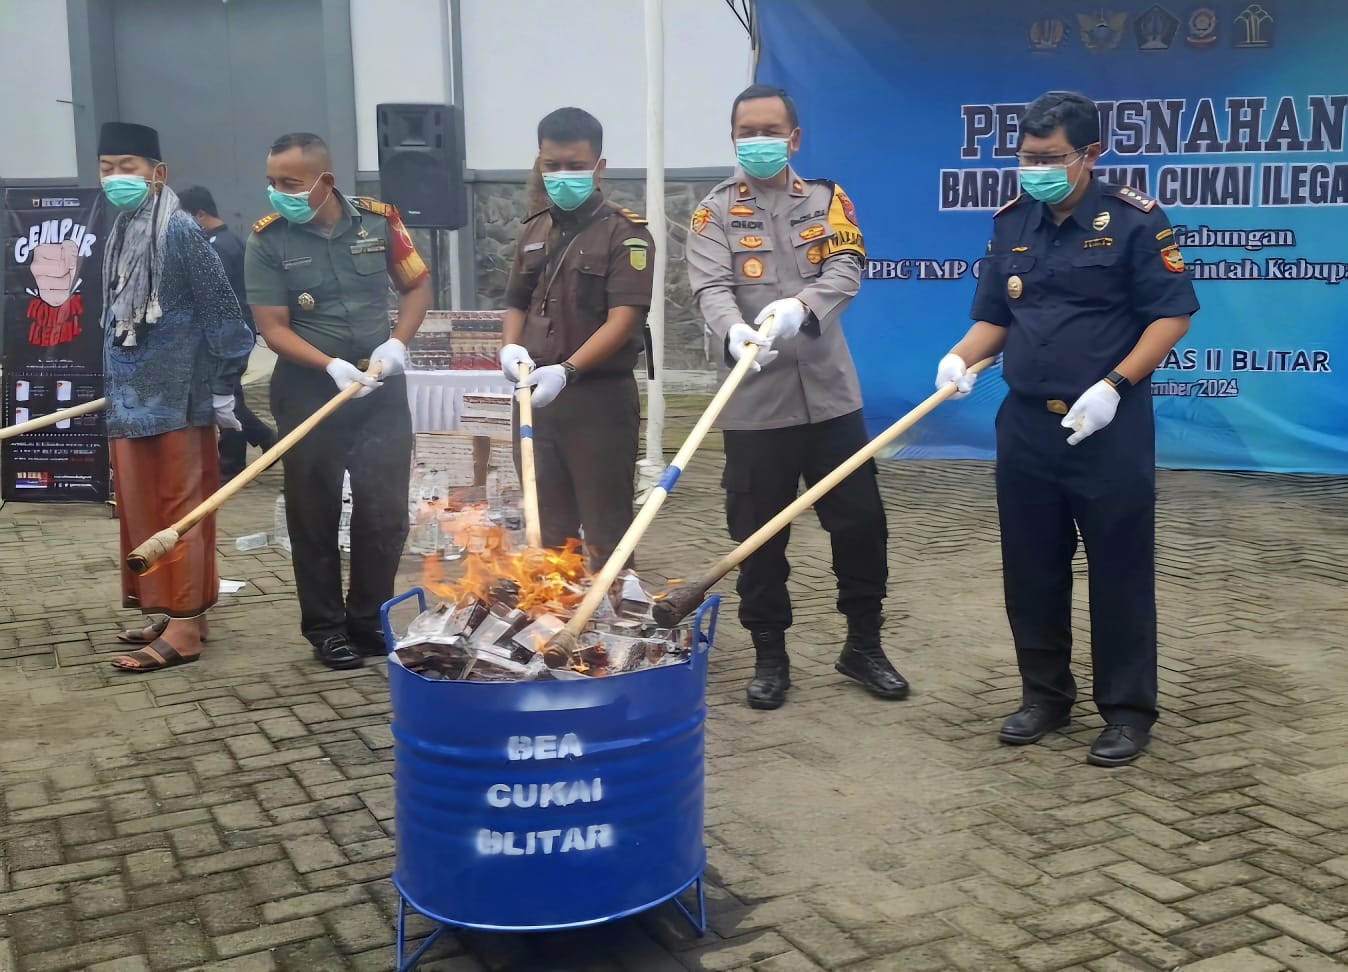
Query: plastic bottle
x=344, y=527
x=414, y=490
x=280, y=536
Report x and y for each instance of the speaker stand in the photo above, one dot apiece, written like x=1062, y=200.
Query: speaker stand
x=435, y=268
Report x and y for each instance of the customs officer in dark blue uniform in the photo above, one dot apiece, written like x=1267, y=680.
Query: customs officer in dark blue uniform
x=1084, y=291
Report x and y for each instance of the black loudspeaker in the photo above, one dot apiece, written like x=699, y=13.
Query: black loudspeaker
x=421, y=164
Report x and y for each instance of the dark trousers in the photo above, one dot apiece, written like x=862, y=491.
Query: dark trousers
x=763, y=470
x=1105, y=486
x=370, y=437
x=234, y=445
x=585, y=455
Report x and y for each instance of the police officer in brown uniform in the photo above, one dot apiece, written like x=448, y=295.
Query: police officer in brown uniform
x=576, y=303
x=767, y=242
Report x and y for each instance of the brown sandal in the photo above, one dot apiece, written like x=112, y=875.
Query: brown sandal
x=152, y=658
x=152, y=631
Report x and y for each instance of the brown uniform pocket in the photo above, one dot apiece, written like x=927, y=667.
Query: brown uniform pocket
x=591, y=294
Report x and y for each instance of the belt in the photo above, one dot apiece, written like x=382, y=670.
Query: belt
x=1057, y=406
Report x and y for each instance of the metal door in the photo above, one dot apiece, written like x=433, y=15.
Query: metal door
x=220, y=80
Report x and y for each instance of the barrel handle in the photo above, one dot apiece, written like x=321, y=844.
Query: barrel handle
x=706, y=614
x=389, y=639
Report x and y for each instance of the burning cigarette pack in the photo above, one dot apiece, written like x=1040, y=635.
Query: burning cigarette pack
x=496, y=620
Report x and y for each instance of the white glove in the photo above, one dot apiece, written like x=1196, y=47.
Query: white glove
x=392, y=354
x=511, y=357
x=547, y=383
x=1091, y=412
x=345, y=374
x=952, y=368
x=224, y=413
x=791, y=314
x=742, y=334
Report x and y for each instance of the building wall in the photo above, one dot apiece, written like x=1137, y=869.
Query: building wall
x=522, y=58
x=37, y=131
x=399, y=53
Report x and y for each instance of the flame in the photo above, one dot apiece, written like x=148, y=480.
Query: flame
x=548, y=580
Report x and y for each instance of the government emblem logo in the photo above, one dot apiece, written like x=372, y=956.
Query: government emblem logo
x=1156, y=29
x=1254, y=27
x=1047, y=35
x=1101, y=31
x=1202, y=28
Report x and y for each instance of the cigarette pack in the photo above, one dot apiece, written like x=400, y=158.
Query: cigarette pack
x=482, y=413
x=449, y=453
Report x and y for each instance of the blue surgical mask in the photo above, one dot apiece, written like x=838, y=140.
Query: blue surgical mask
x=762, y=156
x=569, y=190
x=126, y=192
x=293, y=206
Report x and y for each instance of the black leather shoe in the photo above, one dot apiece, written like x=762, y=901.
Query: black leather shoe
x=368, y=644
x=1118, y=746
x=1032, y=723
x=337, y=653
x=863, y=659
x=772, y=670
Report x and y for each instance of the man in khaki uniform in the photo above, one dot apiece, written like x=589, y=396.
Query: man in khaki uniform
x=769, y=242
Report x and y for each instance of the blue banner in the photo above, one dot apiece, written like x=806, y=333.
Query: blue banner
x=1232, y=114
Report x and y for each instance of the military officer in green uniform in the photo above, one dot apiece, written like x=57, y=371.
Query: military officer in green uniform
x=317, y=272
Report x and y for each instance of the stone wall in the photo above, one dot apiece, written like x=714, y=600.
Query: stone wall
x=500, y=207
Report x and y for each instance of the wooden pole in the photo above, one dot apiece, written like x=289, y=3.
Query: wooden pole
x=533, y=527
x=562, y=646
x=676, y=603
x=152, y=550
x=32, y=425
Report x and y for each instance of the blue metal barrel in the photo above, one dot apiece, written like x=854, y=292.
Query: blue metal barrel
x=546, y=805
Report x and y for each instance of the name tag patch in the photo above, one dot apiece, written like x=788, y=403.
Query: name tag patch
x=295, y=262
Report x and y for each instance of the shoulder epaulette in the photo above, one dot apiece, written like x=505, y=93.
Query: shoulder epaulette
x=1138, y=200
x=1008, y=206
x=372, y=205
x=633, y=217
x=265, y=221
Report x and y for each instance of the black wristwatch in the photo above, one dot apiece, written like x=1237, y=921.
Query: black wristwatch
x=572, y=372
x=1120, y=383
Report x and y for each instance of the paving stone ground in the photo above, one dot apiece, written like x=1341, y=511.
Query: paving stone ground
x=237, y=814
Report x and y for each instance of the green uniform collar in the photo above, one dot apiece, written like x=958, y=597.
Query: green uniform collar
x=338, y=228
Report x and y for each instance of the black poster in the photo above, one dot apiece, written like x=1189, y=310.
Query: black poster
x=53, y=344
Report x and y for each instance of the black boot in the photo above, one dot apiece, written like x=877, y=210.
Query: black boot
x=772, y=670
x=864, y=659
